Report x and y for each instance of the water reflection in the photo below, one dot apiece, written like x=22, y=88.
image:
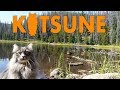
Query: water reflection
x=3, y=64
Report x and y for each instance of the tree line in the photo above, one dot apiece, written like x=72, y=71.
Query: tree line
x=110, y=37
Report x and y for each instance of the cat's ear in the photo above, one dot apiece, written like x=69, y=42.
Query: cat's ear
x=30, y=46
x=15, y=48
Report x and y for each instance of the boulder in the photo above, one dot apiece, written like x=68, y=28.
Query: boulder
x=57, y=73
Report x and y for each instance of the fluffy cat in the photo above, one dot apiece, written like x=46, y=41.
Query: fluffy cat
x=22, y=65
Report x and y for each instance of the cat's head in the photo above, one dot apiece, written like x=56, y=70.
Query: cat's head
x=23, y=54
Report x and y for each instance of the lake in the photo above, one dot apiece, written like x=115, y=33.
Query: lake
x=51, y=56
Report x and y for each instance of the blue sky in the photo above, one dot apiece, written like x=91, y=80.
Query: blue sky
x=6, y=16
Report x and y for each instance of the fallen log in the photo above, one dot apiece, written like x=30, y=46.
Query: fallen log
x=85, y=61
x=76, y=64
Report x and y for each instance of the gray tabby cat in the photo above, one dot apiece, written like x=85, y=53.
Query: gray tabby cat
x=22, y=65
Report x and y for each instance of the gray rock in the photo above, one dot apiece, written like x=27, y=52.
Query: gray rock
x=73, y=76
x=57, y=74
x=103, y=76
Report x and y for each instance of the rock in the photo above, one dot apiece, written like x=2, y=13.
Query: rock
x=73, y=76
x=103, y=76
x=57, y=74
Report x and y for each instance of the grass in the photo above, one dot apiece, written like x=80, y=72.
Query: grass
x=115, y=47
x=26, y=41
x=62, y=64
x=65, y=70
x=107, y=66
x=109, y=47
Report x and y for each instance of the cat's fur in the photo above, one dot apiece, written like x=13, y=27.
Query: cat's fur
x=22, y=65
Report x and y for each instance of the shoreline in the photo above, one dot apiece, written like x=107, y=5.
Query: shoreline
x=109, y=47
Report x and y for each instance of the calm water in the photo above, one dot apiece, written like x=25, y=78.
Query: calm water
x=48, y=56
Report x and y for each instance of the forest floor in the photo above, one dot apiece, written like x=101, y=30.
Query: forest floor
x=109, y=47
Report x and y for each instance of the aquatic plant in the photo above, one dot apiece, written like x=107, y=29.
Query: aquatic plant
x=107, y=66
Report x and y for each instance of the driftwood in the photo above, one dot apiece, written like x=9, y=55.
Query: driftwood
x=82, y=61
x=103, y=76
x=75, y=64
